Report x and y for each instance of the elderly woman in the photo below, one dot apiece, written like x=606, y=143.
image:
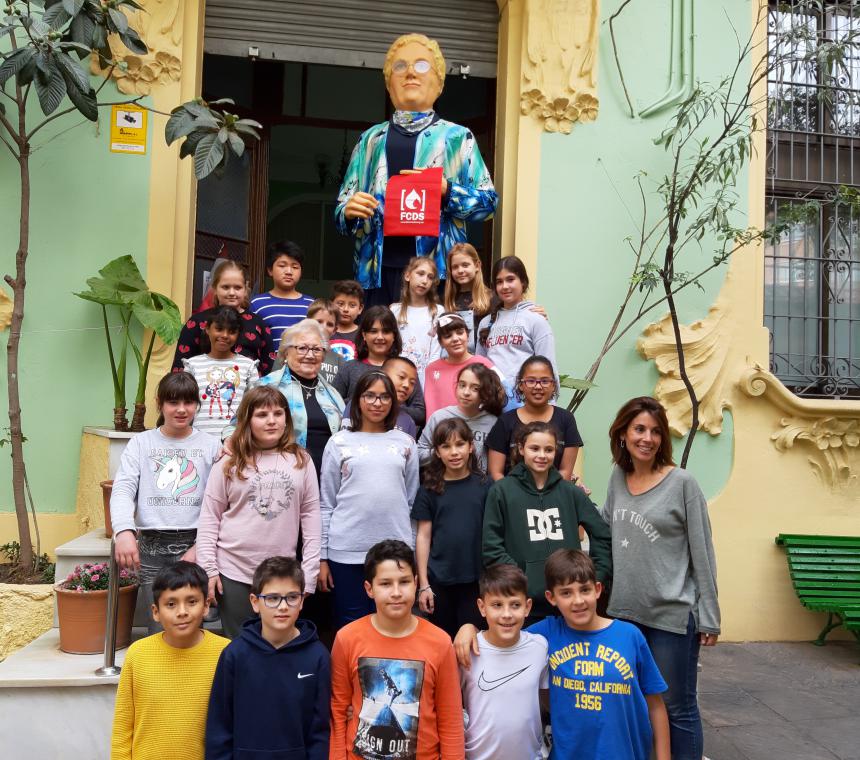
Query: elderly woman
x=415, y=138
x=316, y=408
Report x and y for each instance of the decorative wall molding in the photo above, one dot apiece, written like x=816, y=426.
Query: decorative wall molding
x=706, y=348
x=828, y=430
x=160, y=27
x=5, y=310
x=559, y=74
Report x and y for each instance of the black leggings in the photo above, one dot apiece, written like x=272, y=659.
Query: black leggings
x=456, y=605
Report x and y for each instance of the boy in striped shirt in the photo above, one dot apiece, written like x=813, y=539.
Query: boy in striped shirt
x=283, y=305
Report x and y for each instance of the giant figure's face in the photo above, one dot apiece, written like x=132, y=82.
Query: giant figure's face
x=409, y=90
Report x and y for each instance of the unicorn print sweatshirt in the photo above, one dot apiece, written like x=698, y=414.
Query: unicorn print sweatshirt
x=161, y=480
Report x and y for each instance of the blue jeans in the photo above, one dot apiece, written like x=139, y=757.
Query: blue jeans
x=349, y=599
x=677, y=656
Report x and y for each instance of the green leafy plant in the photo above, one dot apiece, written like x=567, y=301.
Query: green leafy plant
x=121, y=286
x=42, y=45
x=95, y=577
x=42, y=566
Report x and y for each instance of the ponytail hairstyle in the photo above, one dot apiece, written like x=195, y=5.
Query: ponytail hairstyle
x=244, y=450
x=434, y=474
x=491, y=392
x=432, y=294
x=385, y=317
x=220, y=270
x=225, y=317
x=481, y=294
x=516, y=267
x=530, y=429
x=176, y=386
x=536, y=360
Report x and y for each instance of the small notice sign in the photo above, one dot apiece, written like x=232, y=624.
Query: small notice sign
x=128, y=129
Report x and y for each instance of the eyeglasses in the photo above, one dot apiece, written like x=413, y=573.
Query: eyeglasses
x=542, y=382
x=376, y=398
x=273, y=601
x=421, y=66
x=312, y=350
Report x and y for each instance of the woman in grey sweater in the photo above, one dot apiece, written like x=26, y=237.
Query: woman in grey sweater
x=369, y=481
x=665, y=571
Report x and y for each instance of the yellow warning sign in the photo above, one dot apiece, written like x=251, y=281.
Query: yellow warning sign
x=128, y=129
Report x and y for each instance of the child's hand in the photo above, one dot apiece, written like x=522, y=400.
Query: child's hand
x=425, y=600
x=214, y=584
x=191, y=554
x=325, y=582
x=125, y=549
x=540, y=311
x=466, y=643
x=708, y=639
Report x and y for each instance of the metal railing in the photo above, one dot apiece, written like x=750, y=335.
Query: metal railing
x=110, y=668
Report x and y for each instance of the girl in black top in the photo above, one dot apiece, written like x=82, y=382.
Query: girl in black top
x=536, y=387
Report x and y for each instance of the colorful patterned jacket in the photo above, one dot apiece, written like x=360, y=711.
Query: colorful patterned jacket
x=471, y=195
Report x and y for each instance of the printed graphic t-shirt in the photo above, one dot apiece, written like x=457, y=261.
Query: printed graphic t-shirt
x=500, y=697
x=404, y=692
x=222, y=384
x=161, y=480
x=597, y=686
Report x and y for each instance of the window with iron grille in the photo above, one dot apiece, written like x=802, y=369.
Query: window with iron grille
x=812, y=273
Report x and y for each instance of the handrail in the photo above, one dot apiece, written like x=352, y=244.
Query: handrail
x=110, y=668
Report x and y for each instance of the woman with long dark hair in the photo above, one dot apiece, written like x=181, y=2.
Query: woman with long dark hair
x=665, y=574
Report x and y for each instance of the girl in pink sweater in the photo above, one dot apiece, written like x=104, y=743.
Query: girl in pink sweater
x=256, y=500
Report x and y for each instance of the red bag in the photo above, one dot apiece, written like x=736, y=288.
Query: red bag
x=413, y=204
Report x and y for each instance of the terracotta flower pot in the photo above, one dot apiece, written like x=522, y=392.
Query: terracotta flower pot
x=107, y=488
x=83, y=615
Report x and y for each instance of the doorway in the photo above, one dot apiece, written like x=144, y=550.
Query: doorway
x=286, y=186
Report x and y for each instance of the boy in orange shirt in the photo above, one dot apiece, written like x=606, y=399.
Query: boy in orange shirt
x=396, y=671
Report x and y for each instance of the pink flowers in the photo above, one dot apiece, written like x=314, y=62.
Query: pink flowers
x=94, y=577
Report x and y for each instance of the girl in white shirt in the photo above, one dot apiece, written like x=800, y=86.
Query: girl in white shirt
x=416, y=313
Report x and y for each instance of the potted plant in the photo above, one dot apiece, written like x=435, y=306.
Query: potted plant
x=121, y=285
x=82, y=600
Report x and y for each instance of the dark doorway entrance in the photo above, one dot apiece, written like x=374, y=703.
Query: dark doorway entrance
x=286, y=186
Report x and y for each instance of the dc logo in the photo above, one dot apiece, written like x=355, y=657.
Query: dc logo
x=544, y=525
x=413, y=200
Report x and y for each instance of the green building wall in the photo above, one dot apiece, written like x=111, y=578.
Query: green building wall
x=589, y=203
x=88, y=206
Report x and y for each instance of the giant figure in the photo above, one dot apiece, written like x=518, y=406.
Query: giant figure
x=415, y=138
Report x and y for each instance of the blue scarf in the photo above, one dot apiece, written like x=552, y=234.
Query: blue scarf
x=413, y=121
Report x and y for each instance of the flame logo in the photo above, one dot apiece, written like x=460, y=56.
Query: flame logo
x=413, y=200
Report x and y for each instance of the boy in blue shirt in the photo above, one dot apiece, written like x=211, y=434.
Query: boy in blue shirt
x=604, y=686
x=282, y=306
x=271, y=690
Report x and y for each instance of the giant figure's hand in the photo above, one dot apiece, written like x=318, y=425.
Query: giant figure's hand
x=360, y=206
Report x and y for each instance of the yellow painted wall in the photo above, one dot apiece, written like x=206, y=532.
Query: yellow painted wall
x=26, y=612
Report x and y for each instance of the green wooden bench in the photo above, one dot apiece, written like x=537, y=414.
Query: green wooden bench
x=825, y=571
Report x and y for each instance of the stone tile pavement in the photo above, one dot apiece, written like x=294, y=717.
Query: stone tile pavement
x=769, y=701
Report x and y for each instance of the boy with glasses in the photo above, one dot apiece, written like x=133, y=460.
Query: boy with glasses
x=271, y=690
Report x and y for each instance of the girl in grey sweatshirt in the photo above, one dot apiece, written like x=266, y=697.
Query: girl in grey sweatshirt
x=369, y=481
x=512, y=332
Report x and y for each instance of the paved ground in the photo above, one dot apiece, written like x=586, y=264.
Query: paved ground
x=781, y=701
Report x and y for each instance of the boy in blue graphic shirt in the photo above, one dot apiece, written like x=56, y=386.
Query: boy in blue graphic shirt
x=604, y=687
x=270, y=696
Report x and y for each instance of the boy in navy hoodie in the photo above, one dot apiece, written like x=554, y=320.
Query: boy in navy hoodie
x=271, y=690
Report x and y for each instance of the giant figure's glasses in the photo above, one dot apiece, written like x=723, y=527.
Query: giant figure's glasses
x=420, y=66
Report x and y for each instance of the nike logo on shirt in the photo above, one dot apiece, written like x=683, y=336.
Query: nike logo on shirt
x=486, y=684
x=305, y=675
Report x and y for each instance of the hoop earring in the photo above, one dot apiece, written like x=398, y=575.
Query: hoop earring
x=622, y=444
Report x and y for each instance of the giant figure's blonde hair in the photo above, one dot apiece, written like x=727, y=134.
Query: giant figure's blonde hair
x=437, y=59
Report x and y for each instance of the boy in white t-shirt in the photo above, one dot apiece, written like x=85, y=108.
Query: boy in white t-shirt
x=505, y=679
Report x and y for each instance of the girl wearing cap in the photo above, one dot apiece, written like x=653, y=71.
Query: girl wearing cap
x=440, y=377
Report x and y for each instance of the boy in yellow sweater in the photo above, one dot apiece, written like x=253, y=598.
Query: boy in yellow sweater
x=164, y=687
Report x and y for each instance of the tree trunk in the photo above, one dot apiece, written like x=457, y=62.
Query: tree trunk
x=137, y=419
x=682, y=371
x=120, y=421
x=18, y=284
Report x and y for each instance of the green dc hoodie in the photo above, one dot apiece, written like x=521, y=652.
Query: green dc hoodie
x=523, y=525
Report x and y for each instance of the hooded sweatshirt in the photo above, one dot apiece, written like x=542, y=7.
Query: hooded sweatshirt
x=523, y=525
x=515, y=335
x=268, y=702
